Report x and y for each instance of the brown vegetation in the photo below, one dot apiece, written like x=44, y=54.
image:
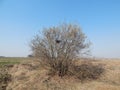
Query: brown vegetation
x=5, y=77
x=33, y=75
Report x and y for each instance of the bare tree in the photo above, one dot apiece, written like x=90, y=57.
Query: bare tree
x=59, y=46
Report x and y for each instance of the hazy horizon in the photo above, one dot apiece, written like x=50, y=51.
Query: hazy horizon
x=20, y=20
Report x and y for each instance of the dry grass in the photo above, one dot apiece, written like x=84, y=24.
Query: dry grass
x=32, y=76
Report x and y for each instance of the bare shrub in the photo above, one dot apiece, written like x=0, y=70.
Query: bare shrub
x=86, y=71
x=5, y=77
x=58, y=46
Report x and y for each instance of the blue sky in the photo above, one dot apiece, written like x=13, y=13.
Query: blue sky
x=20, y=20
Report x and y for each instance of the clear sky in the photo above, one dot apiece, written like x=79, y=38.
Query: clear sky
x=20, y=20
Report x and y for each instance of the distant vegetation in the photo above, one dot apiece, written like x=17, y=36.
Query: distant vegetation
x=2, y=56
x=10, y=60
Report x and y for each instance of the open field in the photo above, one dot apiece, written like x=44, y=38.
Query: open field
x=11, y=60
x=30, y=75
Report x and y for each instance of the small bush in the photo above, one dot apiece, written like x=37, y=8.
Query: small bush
x=81, y=72
x=4, y=78
x=87, y=71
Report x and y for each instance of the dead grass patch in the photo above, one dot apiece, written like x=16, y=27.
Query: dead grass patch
x=25, y=78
